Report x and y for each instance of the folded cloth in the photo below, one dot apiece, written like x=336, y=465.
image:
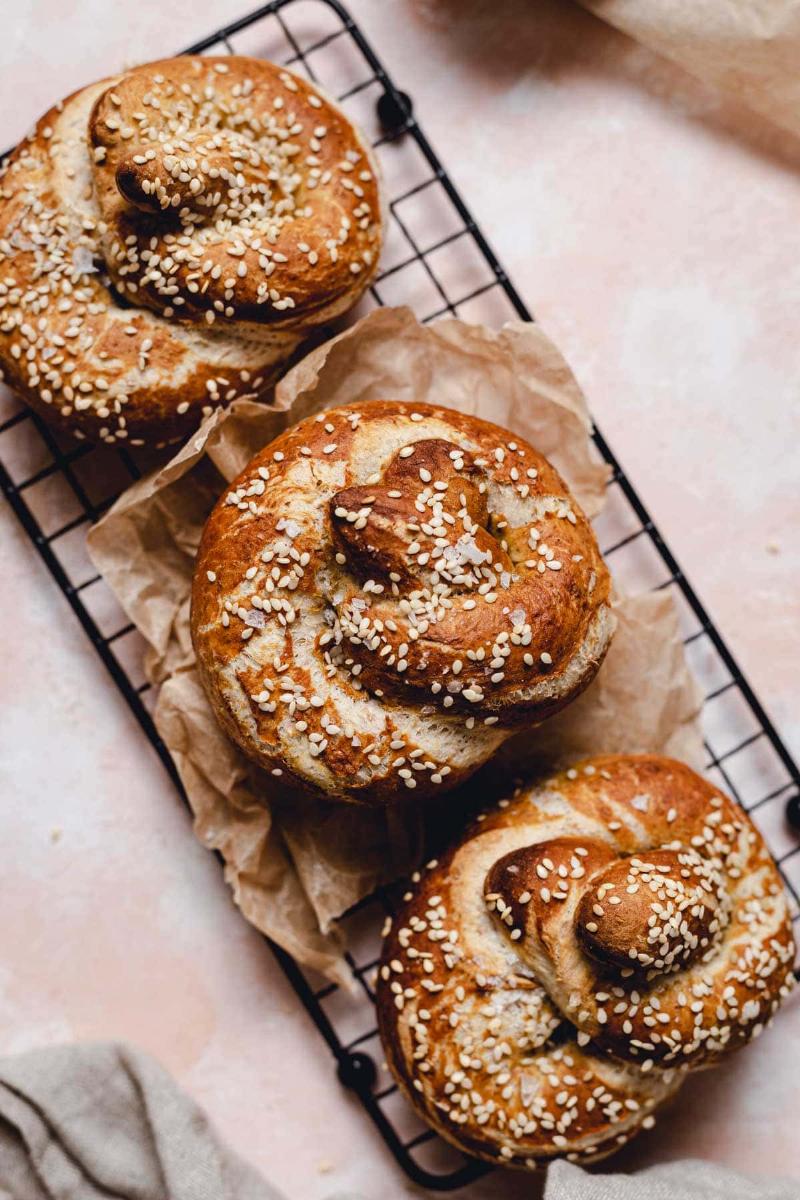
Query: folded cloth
x=100, y=1121
x=686, y=1180
x=748, y=48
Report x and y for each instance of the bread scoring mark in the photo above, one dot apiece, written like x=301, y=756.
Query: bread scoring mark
x=369, y=542
x=468, y=1007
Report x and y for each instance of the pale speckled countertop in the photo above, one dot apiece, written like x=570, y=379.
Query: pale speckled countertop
x=652, y=227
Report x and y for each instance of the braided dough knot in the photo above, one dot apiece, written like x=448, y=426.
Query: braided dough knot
x=412, y=585
x=230, y=190
x=169, y=236
x=202, y=175
x=552, y=979
x=660, y=911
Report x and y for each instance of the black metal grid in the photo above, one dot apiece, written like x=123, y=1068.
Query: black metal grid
x=437, y=261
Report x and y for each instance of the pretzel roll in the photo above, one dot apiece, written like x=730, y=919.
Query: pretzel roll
x=548, y=983
x=387, y=592
x=169, y=236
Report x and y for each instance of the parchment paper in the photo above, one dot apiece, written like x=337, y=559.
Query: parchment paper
x=295, y=868
x=749, y=48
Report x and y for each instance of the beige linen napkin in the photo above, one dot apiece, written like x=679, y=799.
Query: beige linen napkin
x=688, y=1180
x=748, y=48
x=105, y=1122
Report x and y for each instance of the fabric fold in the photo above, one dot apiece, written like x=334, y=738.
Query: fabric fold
x=105, y=1122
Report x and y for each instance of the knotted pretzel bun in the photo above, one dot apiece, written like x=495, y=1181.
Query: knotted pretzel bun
x=548, y=983
x=167, y=238
x=386, y=592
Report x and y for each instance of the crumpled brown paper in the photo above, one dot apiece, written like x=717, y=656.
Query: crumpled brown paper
x=295, y=868
x=748, y=48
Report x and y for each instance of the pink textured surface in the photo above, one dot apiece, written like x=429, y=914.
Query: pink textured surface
x=652, y=227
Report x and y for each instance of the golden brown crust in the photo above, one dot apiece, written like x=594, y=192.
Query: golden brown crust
x=125, y=321
x=520, y=1043
x=386, y=592
x=266, y=179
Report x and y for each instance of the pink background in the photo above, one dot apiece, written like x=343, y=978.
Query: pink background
x=652, y=227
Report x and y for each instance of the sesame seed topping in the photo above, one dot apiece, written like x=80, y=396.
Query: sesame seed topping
x=227, y=163
x=627, y=1034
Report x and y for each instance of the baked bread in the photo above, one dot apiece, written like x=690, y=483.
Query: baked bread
x=547, y=984
x=168, y=236
x=386, y=592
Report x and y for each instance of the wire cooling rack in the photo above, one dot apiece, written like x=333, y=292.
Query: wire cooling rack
x=438, y=262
